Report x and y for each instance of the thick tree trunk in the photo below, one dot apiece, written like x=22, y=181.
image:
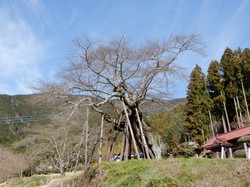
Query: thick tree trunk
x=143, y=146
x=131, y=130
x=137, y=132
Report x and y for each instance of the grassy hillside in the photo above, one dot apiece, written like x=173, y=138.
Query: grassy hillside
x=18, y=105
x=32, y=141
x=170, y=172
x=50, y=180
x=151, y=173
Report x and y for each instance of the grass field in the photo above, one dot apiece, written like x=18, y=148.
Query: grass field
x=196, y=172
x=171, y=172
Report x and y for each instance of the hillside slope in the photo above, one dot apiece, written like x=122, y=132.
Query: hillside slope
x=150, y=173
x=170, y=172
x=29, y=139
x=28, y=105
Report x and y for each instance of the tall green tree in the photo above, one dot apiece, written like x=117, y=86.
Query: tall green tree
x=215, y=90
x=231, y=67
x=245, y=56
x=198, y=106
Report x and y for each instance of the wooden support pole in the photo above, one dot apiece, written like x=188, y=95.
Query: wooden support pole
x=131, y=130
x=86, y=137
x=101, y=140
x=127, y=152
x=246, y=149
x=222, y=153
x=142, y=135
x=231, y=152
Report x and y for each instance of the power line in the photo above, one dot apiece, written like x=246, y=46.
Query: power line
x=21, y=119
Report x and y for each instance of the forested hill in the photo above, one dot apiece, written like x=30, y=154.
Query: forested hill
x=29, y=144
x=11, y=106
x=158, y=107
x=21, y=105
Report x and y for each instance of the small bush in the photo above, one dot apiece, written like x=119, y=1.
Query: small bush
x=244, y=139
x=20, y=148
x=240, y=153
x=6, y=136
x=164, y=182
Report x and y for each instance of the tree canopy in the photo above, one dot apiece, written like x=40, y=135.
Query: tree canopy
x=116, y=70
x=197, y=118
x=227, y=83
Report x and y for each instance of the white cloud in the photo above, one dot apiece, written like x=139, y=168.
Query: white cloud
x=20, y=52
x=35, y=5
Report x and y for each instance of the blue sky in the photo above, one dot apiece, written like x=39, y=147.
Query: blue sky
x=36, y=35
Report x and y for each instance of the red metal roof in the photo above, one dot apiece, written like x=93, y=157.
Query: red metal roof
x=228, y=136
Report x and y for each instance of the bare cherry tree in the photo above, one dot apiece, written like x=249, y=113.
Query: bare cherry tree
x=116, y=70
x=63, y=140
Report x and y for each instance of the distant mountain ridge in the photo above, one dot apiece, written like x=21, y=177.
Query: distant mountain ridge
x=160, y=106
x=11, y=106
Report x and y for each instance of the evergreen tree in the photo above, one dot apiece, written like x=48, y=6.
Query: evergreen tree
x=231, y=67
x=215, y=89
x=198, y=105
x=215, y=85
x=245, y=56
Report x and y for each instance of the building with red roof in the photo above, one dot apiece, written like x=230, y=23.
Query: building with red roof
x=227, y=140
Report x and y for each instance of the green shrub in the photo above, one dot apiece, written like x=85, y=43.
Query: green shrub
x=164, y=182
x=6, y=136
x=240, y=153
x=244, y=139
